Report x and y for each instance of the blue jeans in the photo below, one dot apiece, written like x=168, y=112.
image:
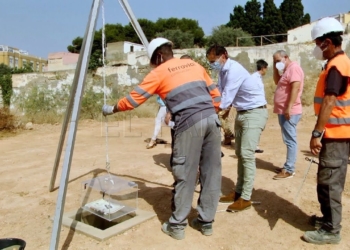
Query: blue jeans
x=289, y=135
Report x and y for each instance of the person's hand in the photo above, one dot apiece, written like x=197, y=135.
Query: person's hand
x=315, y=145
x=287, y=113
x=107, y=110
x=167, y=118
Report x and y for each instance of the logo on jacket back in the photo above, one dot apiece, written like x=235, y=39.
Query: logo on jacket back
x=181, y=67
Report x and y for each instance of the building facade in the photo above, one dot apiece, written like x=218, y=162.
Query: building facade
x=16, y=58
x=302, y=34
x=62, y=61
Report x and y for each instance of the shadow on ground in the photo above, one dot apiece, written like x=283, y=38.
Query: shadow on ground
x=162, y=160
x=274, y=208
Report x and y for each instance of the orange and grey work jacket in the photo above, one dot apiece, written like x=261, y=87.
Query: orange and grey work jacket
x=338, y=125
x=188, y=91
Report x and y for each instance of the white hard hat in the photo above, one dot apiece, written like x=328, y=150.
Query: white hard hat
x=155, y=43
x=326, y=25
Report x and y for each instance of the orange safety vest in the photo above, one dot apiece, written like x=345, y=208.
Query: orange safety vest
x=338, y=125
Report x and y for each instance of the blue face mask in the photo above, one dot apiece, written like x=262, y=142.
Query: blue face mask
x=216, y=65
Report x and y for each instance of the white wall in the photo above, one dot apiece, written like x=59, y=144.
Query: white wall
x=137, y=47
x=301, y=34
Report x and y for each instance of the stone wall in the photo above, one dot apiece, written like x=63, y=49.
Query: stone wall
x=135, y=65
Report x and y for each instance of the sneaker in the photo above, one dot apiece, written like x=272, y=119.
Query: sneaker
x=321, y=237
x=279, y=170
x=316, y=221
x=231, y=197
x=151, y=144
x=239, y=205
x=176, y=233
x=283, y=175
x=205, y=227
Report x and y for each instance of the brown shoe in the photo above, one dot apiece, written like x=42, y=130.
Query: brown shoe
x=151, y=144
x=283, y=175
x=231, y=197
x=239, y=205
x=227, y=140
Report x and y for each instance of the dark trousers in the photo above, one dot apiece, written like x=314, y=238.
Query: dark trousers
x=333, y=161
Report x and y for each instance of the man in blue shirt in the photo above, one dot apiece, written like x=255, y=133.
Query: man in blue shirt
x=240, y=90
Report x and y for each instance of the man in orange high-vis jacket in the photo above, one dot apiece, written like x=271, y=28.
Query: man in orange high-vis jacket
x=193, y=100
x=332, y=107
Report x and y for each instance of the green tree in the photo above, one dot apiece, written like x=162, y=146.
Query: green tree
x=227, y=36
x=6, y=84
x=26, y=68
x=237, y=19
x=272, y=21
x=293, y=14
x=253, y=18
x=180, y=39
x=185, y=25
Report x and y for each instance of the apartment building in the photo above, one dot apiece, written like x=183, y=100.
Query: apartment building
x=16, y=58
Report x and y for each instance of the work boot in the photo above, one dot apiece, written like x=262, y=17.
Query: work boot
x=239, y=205
x=316, y=221
x=231, y=197
x=206, y=228
x=321, y=237
x=176, y=233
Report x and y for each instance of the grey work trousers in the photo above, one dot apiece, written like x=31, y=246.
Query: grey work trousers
x=199, y=145
x=333, y=162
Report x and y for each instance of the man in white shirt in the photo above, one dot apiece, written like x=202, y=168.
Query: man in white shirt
x=261, y=67
x=238, y=89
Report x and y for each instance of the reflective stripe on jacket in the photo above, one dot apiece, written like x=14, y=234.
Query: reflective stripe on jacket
x=184, y=85
x=338, y=125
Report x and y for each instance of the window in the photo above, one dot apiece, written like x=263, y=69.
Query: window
x=16, y=62
x=11, y=61
x=131, y=48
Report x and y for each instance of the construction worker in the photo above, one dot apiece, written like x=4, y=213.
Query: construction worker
x=240, y=90
x=332, y=107
x=193, y=100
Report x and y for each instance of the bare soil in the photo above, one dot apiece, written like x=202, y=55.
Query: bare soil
x=27, y=207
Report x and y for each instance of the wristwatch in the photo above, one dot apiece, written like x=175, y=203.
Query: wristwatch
x=316, y=133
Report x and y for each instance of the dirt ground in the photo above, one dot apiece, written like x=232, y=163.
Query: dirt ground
x=27, y=207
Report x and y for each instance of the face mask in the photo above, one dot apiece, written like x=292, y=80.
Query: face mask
x=318, y=52
x=216, y=65
x=280, y=67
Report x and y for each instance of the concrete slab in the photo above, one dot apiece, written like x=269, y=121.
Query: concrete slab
x=70, y=220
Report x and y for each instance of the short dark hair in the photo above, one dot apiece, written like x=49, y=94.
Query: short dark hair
x=218, y=49
x=335, y=37
x=186, y=57
x=261, y=64
x=165, y=49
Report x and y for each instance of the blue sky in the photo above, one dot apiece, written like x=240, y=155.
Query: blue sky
x=44, y=26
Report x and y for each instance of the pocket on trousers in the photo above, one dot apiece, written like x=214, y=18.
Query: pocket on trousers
x=323, y=176
x=331, y=163
x=218, y=122
x=179, y=171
